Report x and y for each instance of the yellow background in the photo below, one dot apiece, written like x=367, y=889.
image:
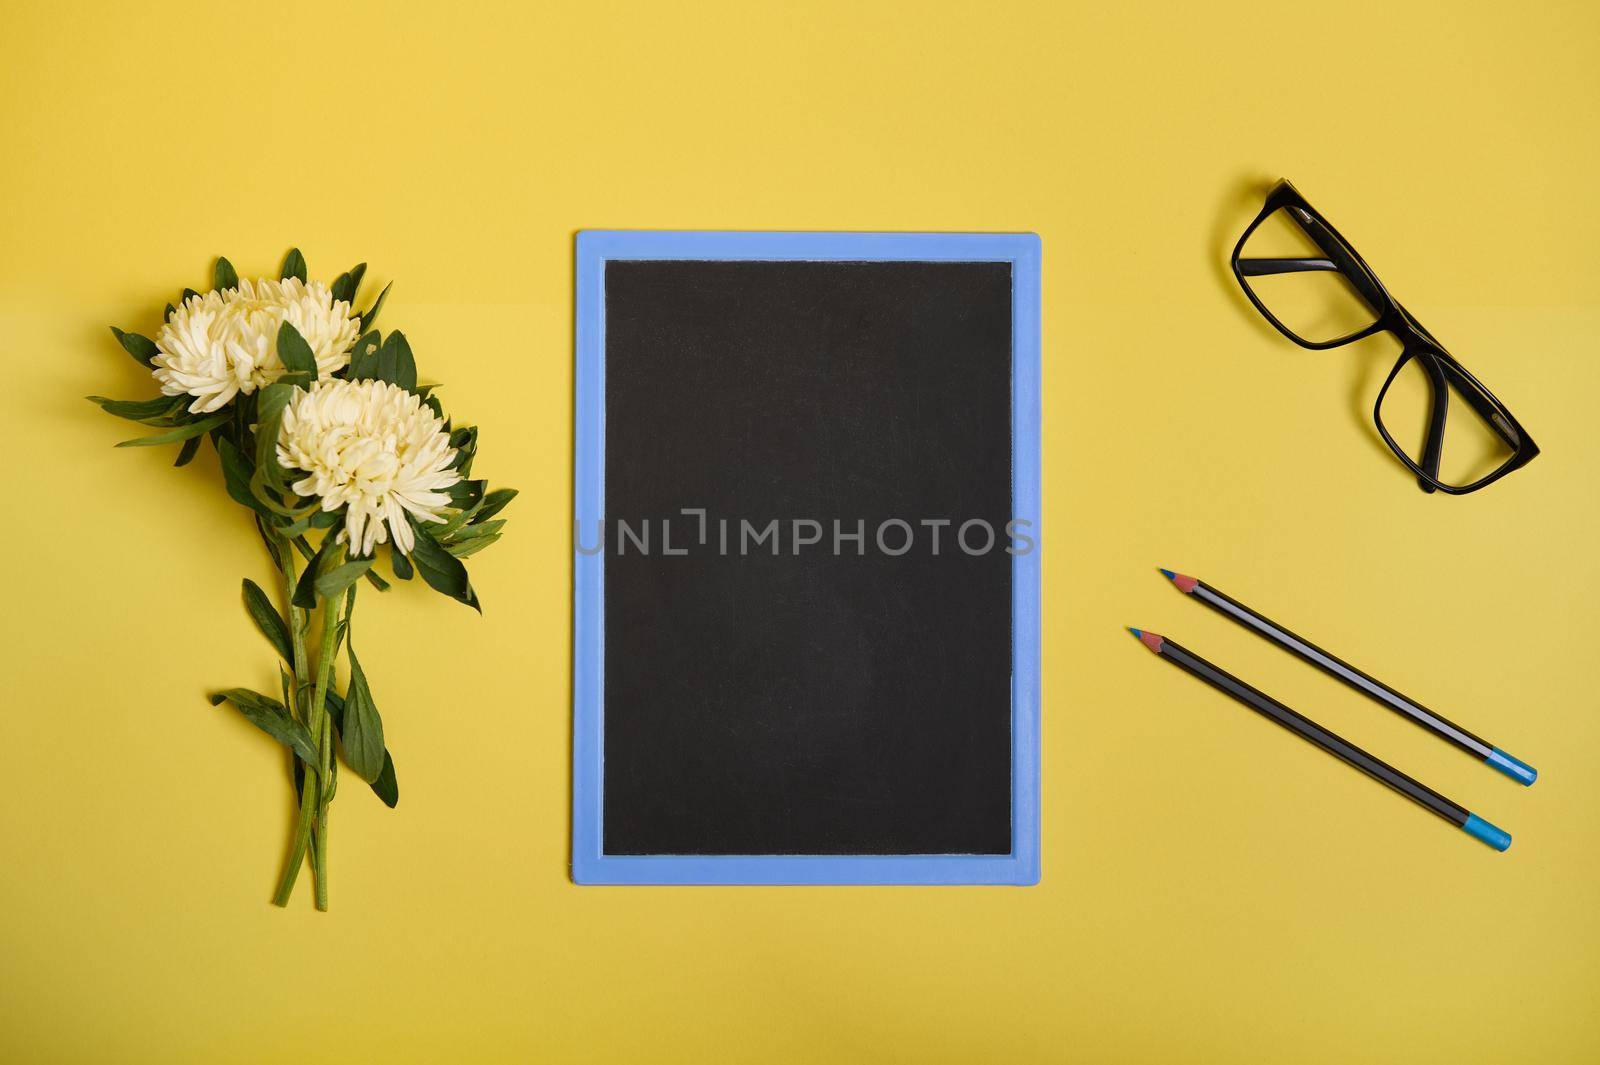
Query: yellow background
x=1214, y=890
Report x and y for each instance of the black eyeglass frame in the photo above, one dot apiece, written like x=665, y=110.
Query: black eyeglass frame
x=1416, y=343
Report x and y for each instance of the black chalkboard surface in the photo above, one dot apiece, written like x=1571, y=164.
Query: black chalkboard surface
x=808, y=541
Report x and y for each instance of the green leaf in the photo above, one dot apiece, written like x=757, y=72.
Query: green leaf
x=166, y=316
x=143, y=349
x=400, y=564
x=294, y=265
x=269, y=715
x=457, y=521
x=269, y=481
x=184, y=296
x=465, y=441
x=371, y=314
x=223, y=275
x=364, y=357
x=443, y=571
x=372, y=576
x=294, y=351
x=466, y=494
x=339, y=578
x=305, y=592
x=270, y=542
x=266, y=496
x=395, y=362
x=186, y=453
x=362, y=734
x=159, y=411
x=182, y=432
x=268, y=620
x=236, y=476
x=345, y=285
x=317, y=519
x=478, y=530
x=463, y=525
x=270, y=402
x=385, y=787
x=494, y=503
x=474, y=538
x=468, y=548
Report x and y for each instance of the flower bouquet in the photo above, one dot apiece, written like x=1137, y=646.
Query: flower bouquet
x=324, y=434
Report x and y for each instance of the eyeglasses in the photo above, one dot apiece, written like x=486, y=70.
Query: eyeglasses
x=1316, y=290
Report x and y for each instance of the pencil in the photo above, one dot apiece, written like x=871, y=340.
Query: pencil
x=1340, y=748
x=1438, y=724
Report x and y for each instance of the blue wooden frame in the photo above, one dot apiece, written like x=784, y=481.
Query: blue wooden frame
x=589, y=864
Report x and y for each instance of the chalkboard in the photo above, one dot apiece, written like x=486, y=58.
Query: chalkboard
x=806, y=546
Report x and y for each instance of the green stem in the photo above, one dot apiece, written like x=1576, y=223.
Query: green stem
x=313, y=808
x=319, y=860
x=297, y=620
x=302, y=834
x=323, y=729
x=297, y=640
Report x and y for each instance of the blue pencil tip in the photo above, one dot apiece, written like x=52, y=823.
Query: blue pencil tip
x=1137, y=635
x=1168, y=574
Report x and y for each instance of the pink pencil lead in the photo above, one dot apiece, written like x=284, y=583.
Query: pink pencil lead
x=1185, y=584
x=1149, y=639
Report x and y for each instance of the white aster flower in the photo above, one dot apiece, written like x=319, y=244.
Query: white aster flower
x=224, y=344
x=373, y=447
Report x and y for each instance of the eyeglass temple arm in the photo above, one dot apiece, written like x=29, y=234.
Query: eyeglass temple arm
x=1337, y=259
x=1267, y=267
x=1467, y=388
x=1433, y=443
x=1438, y=369
x=1334, y=249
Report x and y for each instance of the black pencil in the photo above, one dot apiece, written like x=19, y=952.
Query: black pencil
x=1340, y=748
x=1438, y=724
